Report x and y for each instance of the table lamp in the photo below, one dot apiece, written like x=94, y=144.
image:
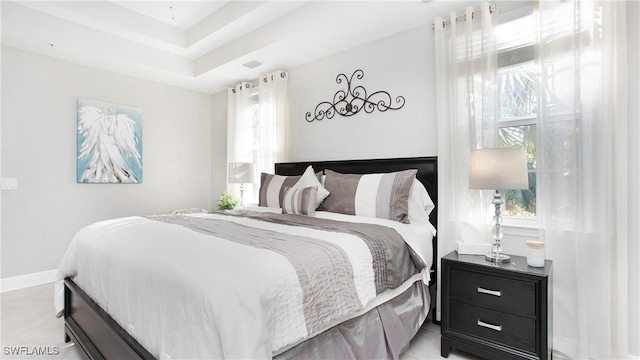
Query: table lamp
x=241, y=173
x=496, y=169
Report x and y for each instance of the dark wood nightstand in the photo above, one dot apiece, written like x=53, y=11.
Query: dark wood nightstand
x=496, y=311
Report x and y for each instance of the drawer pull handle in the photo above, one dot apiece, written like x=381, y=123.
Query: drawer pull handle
x=490, y=326
x=490, y=292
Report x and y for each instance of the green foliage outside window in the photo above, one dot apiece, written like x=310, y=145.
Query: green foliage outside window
x=518, y=106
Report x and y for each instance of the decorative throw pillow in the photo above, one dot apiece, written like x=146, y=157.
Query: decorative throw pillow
x=301, y=201
x=308, y=179
x=272, y=189
x=374, y=195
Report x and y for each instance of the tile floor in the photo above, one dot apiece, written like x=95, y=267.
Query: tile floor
x=28, y=320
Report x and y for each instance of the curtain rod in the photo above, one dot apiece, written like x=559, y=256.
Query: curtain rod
x=492, y=9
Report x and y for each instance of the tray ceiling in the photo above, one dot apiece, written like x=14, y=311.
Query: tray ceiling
x=202, y=45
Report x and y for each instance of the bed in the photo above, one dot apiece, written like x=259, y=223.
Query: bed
x=370, y=321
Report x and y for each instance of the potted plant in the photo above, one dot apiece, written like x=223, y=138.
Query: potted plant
x=227, y=201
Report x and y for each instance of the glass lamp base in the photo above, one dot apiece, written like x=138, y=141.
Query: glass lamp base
x=499, y=258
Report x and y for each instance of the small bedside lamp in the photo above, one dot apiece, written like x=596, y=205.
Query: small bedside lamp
x=241, y=173
x=495, y=169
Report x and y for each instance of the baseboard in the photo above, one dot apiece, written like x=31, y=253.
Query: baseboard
x=28, y=280
x=559, y=344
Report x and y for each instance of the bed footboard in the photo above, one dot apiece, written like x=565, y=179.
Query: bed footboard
x=95, y=333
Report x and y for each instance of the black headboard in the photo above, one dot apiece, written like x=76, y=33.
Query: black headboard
x=427, y=174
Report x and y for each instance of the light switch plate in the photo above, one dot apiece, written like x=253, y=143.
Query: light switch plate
x=9, y=183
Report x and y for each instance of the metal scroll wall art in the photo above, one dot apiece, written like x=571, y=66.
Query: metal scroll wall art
x=353, y=100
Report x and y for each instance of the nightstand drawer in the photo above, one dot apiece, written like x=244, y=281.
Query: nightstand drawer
x=504, y=294
x=511, y=330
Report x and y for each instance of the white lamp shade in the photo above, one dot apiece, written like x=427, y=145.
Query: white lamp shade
x=241, y=173
x=496, y=169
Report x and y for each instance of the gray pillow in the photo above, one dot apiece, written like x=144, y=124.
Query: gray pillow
x=272, y=188
x=301, y=201
x=374, y=195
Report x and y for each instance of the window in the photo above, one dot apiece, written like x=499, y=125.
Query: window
x=517, y=108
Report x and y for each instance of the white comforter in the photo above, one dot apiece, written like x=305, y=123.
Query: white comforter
x=182, y=270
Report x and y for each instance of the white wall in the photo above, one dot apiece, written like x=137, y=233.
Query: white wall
x=400, y=64
x=39, y=98
x=219, y=104
x=633, y=64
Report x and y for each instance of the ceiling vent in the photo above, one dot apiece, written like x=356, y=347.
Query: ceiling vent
x=252, y=64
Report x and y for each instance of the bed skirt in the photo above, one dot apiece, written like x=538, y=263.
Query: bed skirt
x=383, y=332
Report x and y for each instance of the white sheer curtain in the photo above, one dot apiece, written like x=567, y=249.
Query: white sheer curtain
x=582, y=173
x=272, y=120
x=240, y=133
x=256, y=126
x=466, y=61
x=240, y=123
x=582, y=158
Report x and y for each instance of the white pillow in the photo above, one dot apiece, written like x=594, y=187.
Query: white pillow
x=309, y=179
x=420, y=203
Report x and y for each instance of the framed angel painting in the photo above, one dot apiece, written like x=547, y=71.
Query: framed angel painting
x=109, y=143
